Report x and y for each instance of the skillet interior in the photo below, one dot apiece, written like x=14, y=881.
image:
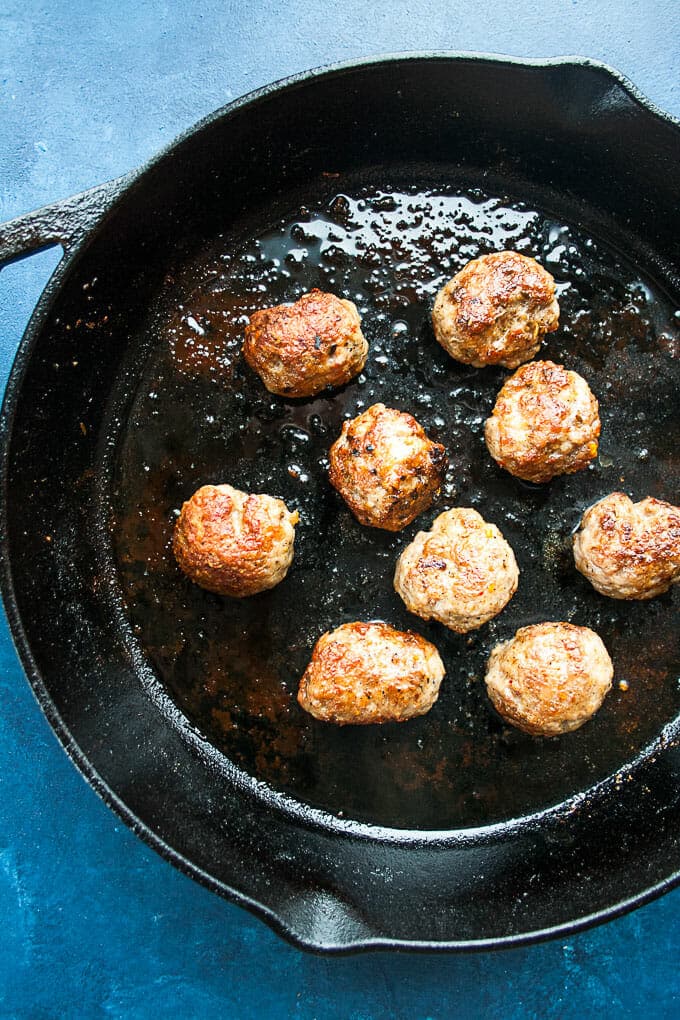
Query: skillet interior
x=86, y=429
x=199, y=415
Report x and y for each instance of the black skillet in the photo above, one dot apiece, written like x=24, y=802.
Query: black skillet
x=376, y=180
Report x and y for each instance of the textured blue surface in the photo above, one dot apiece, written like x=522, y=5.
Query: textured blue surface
x=93, y=923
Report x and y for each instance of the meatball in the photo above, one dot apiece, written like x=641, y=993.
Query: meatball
x=462, y=573
x=496, y=310
x=234, y=543
x=545, y=423
x=300, y=349
x=550, y=678
x=370, y=673
x=629, y=550
x=385, y=467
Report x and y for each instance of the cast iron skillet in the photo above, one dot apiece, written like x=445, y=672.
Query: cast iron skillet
x=377, y=180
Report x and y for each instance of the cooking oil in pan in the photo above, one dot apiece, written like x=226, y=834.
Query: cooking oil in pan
x=200, y=415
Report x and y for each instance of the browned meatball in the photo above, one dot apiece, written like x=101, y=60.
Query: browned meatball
x=462, y=573
x=233, y=543
x=496, y=310
x=300, y=349
x=545, y=423
x=385, y=467
x=629, y=550
x=550, y=678
x=370, y=673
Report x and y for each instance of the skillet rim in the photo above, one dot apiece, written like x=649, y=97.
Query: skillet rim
x=312, y=817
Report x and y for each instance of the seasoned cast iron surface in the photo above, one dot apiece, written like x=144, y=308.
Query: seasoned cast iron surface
x=200, y=415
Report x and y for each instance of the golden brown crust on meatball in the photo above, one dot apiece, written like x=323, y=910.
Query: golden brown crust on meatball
x=386, y=468
x=545, y=423
x=496, y=310
x=629, y=550
x=301, y=349
x=234, y=543
x=550, y=678
x=370, y=673
x=461, y=573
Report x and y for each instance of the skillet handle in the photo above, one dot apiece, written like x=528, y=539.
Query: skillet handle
x=63, y=222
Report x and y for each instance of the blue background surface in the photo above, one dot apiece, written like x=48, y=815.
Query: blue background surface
x=92, y=922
